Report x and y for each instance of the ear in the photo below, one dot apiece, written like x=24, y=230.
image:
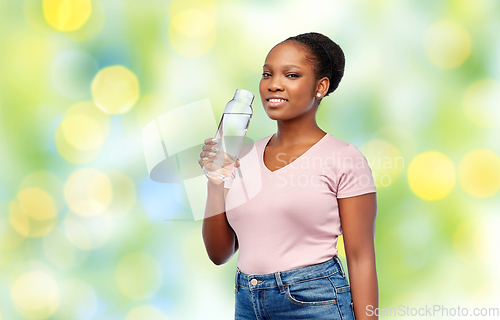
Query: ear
x=322, y=86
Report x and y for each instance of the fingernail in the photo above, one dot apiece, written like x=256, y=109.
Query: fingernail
x=212, y=153
x=205, y=158
x=215, y=149
x=215, y=140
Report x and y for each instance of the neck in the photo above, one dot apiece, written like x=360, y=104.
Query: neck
x=297, y=131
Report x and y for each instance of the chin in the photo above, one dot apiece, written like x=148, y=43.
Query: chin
x=277, y=116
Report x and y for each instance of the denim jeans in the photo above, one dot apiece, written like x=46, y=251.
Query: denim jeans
x=318, y=291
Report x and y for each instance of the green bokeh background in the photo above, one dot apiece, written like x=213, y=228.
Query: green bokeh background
x=429, y=252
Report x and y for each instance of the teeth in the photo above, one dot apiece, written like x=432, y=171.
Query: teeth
x=277, y=100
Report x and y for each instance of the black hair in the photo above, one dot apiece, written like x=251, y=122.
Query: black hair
x=326, y=56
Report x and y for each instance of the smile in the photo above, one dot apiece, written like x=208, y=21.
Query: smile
x=276, y=102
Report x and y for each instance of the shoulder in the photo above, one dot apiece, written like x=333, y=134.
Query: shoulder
x=334, y=142
x=343, y=147
x=340, y=147
x=345, y=155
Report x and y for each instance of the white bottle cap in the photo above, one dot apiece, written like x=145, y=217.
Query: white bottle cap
x=244, y=96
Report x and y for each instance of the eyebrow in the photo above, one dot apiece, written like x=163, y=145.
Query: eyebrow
x=286, y=66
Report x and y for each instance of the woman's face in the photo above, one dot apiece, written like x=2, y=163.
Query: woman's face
x=288, y=87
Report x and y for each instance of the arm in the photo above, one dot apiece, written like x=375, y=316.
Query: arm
x=357, y=216
x=219, y=238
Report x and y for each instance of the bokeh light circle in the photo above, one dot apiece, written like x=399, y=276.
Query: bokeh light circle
x=479, y=173
x=88, y=233
x=481, y=103
x=20, y=221
x=37, y=203
x=46, y=181
x=138, y=275
x=9, y=237
x=115, y=89
x=82, y=132
x=447, y=44
x=67, y=15
x=35, y=295
x=431, y=175
x=192, y=31
x=61, y=252
x=469, y=242
x=33, y=213
x=88, y=192
x=193, y=23
x=78, y=301
x=124, y=194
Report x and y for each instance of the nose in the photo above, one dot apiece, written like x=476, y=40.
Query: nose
x=275, y=84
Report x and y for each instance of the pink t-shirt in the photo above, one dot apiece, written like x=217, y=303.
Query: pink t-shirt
x=289, y=218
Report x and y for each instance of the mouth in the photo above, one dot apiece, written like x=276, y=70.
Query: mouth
x=276, y=102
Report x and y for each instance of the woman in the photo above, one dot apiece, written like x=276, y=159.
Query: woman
x=312, y=187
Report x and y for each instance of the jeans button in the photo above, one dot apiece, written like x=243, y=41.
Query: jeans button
x=253, y=282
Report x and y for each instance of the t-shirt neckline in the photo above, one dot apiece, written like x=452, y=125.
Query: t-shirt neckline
x=298, y=158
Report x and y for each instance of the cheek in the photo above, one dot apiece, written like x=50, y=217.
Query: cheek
x=301, y=90
x=262, y=89
x=261, y=85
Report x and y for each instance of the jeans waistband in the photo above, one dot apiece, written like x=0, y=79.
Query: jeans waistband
x=283, y=278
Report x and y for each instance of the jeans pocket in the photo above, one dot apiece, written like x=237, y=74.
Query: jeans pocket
x=343, y=293
x=312, y=292
x=344, y=301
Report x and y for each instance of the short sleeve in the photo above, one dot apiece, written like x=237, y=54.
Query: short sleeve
x=355, y=175
x=229, y=182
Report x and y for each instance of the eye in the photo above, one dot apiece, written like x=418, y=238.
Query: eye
x=266, y=74
x=293, y=75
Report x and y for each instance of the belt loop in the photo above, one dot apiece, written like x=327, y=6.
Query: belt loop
x=341, y=267
x=236, y=280
x=278, y=280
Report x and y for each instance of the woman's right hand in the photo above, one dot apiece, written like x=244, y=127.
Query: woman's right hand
x=208, y=155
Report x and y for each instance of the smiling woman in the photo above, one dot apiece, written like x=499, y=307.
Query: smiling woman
x=287, y=232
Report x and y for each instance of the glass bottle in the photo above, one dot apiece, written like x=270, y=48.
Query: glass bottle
x=230, y=133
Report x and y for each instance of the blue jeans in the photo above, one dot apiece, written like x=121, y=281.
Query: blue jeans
x=318, y=291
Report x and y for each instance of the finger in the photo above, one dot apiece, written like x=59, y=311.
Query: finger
x=203, y=161
x=206, y=156
x=209, y=154
x=210, y=148
x=210, y=141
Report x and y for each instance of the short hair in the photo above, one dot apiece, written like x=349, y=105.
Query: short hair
x=326, y=56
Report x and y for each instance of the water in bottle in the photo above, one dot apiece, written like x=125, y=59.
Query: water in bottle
x=230, y=133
